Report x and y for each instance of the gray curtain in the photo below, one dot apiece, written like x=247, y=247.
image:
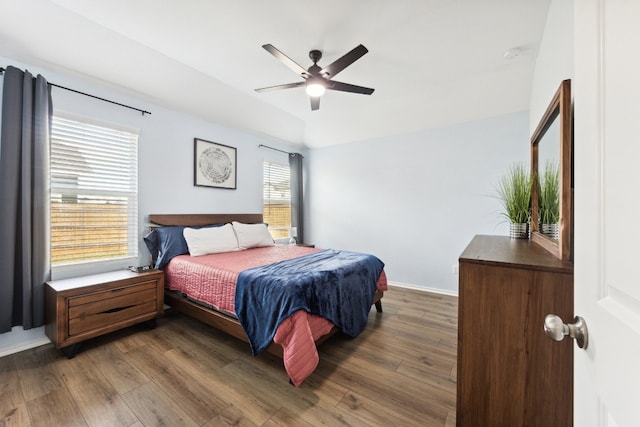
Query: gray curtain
x=24, y=199
x=297, y=205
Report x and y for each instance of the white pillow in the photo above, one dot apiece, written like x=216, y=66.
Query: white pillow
x=252, y=235
x=210, y=240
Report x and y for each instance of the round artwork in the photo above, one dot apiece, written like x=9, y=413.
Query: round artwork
x=215, y=165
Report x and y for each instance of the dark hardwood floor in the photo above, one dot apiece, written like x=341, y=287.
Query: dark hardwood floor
x=401, y=371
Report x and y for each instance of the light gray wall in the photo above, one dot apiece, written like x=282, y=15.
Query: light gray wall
x=554, y=62
x=415, y=200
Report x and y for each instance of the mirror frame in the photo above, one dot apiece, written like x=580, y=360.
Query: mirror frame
x=560, y=107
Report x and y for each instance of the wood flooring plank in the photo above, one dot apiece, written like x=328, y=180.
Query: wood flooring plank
x=417, y=331
x=17, y=416
x=116, y=368
x=231, y=416
x=431, y=305
x=13, y=411
x=444, y=382
x=201, y=402
x=36, y=369
x=284, y=418
x=191, y=336
x=358, y=347
x=420, y=353
x=451, y=419
x=409, y=398
x=137, y=336
x=255, y=406
x=153, y=407
x=301, y=403
x=56, y=408
x=375, y=414
x=251, y=374
x=96, y=398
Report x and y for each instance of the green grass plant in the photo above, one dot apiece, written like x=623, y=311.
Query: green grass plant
x=514, y=191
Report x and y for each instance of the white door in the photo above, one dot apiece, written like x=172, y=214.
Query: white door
x=607, y=211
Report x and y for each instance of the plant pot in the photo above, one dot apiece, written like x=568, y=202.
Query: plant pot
x=550, y=230
x=519, y=231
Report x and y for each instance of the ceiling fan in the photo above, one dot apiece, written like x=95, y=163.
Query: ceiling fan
x=316, y=79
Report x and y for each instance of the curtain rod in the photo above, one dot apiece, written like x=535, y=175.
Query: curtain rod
x=92, y=96
x=275, y=149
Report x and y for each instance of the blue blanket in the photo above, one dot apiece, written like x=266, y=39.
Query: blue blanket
x=337, y=285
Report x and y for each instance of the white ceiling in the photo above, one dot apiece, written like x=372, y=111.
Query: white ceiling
x=431, y=62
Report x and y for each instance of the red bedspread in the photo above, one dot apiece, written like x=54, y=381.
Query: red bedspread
x=211, y=279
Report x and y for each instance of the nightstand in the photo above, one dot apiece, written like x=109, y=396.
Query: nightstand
x=85, y=307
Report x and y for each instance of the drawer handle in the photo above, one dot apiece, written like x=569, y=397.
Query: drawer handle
x=117, y=309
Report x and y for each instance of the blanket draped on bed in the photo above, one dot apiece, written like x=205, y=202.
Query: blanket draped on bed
x=337, y=285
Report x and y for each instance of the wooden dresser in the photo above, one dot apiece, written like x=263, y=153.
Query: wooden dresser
x=509, y=372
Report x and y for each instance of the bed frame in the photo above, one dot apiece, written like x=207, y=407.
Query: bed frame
x=207, y=315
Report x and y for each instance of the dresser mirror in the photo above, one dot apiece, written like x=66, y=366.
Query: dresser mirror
x=548, y=180
x=551, y=155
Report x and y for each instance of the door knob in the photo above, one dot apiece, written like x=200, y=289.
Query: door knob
x=556, y=329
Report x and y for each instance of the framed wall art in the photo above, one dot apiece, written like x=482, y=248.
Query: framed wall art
x=214, y=164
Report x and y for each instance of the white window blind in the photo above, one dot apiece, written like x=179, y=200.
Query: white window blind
x=277, y=198
x=94, y=192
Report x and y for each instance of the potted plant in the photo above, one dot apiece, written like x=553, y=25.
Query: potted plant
x=514, y=191
x=549, y=200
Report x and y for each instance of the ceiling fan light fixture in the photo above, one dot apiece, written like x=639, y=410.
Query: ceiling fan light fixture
x=315, y=88
x=316, y=79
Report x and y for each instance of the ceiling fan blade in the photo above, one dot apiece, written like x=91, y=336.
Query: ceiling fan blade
x=278, y=87
x=315, y=102
x=343, y=62
x=346, y=87
x=286, y=61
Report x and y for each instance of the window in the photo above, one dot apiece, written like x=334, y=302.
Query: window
x=277, y=199
x=94, y=192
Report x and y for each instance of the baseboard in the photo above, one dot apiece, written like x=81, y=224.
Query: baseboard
x=19, y=340
x=24, y=346
x=423, y=288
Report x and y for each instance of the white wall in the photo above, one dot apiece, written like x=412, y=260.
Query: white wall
x=414, y=200
x=554, y=62
x=165, y=165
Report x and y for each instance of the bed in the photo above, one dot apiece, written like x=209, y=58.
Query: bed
x=198, y=287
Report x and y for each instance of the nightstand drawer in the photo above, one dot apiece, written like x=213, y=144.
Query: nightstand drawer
x=93, y=311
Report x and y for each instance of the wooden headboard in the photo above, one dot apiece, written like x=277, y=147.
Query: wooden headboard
x=203, y=219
